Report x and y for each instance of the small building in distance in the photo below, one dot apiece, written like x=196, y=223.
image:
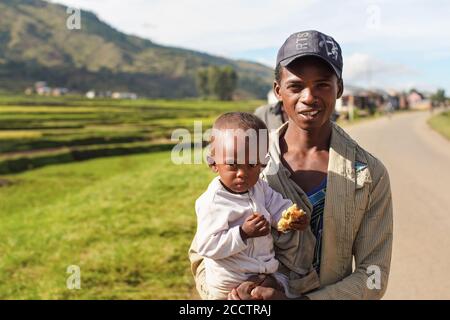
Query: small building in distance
x=417, y=100
x=42, y=89
x=124, y=95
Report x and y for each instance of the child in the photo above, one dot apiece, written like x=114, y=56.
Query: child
x=236, y=212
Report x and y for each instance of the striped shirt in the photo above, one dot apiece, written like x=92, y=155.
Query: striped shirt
x=317, y=199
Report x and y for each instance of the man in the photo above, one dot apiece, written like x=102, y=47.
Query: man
x=313, y=161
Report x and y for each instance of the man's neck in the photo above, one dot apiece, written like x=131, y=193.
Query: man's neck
x=305, y=141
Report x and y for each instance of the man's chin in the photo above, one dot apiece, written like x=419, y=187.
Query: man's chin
x=309, y=125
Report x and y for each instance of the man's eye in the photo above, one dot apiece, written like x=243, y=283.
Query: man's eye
x=295, y=88
x=324, y=85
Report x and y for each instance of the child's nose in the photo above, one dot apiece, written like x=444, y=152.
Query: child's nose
x=240, y=173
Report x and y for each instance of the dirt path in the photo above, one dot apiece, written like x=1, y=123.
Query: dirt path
x=418, y=161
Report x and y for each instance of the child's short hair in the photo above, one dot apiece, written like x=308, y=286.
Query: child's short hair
x=242, y=120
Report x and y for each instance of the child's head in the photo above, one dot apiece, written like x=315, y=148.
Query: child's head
x=239, y=146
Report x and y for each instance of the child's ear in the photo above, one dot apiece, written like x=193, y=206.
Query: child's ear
x=211, y=163
x=214, y=167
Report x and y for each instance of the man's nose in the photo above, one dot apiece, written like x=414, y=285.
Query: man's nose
x=307, y=96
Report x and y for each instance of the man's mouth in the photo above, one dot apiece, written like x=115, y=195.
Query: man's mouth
x=309, y=114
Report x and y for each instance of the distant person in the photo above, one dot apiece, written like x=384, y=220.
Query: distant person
x=314, y=161
x=236, y=212
x=389, y=108
x=272, y=114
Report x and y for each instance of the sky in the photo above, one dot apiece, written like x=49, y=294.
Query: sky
x=386, y=44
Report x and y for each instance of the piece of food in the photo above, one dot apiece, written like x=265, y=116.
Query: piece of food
x=290, y=215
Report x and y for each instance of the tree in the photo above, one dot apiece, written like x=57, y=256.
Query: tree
x=439, y=97
x=228, y=82
x=214, y=80
x=217, y=82
x=202, y=82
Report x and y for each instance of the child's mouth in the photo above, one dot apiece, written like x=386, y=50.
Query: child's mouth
x=240, y=184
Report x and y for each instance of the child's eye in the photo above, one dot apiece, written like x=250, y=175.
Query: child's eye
x=232, y=165
x=253, y=165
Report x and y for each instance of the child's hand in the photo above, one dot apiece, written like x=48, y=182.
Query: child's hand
x=300, y=224
x=255, y=226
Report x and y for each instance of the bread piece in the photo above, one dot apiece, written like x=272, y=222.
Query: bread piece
x=291, y=214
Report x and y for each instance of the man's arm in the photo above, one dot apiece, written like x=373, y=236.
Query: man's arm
x=372, y=248
x=198, y=270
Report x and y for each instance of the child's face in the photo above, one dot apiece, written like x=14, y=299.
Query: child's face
x=238, y=169
x=238, y=177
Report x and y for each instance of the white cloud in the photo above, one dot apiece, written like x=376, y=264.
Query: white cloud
x=226, y=27
x=366, y=70
x=361, y=65
x=414, y=29
x=221, y=27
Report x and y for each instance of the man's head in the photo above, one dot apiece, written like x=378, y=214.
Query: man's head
x=239, y=145
x=308, y=78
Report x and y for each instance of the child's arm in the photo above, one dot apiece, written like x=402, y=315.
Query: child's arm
x=215, y=239
x=276, y=205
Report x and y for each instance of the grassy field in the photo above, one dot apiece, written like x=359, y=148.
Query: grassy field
x=34, y=129
x=441, y=123
x=126, y=221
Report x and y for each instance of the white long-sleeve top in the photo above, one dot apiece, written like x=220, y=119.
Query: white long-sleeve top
x=228, y=259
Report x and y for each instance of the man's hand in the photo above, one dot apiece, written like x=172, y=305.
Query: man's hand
x=265, y=293
x=249, y=290
x=243, y=291
x=300, y=224
x=255, y=226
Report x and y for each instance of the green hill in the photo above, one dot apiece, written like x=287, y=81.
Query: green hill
x=35, y=44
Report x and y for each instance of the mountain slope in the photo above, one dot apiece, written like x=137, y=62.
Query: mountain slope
x=35, y=44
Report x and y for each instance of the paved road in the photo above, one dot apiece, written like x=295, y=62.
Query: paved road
x=418, y=161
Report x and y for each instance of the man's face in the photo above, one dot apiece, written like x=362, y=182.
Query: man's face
x=308, y=89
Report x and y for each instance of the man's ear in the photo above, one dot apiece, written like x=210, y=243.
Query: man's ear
x=276, y=90
x=340, y=88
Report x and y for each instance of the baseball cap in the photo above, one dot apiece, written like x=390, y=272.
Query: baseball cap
x=311, y=43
